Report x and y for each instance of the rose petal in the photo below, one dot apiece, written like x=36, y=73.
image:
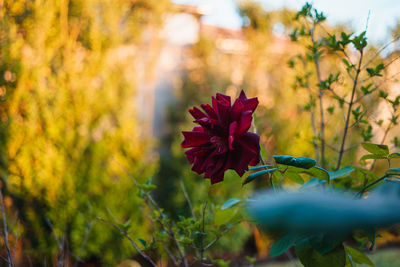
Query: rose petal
x=249, y=104
x=209, y=110
x=244, y=123
x=195, y=138
x=197, y=113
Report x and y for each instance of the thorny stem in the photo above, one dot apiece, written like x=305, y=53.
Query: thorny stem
x=321, y=105
x=5, y=232
x=130, y=240
x=346, y=127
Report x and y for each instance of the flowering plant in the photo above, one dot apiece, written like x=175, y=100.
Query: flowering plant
x=222, y=140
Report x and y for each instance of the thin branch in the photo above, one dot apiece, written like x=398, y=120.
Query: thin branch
x=185, y=193
x=130, y=240
x=85, y=238
x=312, y=115
x=167, y=226
x=361, y=192
x=219, y=236
x=380, y=50
x=171, y=256
x=346, y=127
x=202, y=234
x=321, y=106
x=5, y=232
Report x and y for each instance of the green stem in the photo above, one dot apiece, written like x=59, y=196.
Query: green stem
x=361, y=192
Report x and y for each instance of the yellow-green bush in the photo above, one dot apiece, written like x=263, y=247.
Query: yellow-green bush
x=69, y=119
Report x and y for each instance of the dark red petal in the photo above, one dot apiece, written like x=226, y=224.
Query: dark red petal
x=244, y=123
x=232, y=131
x=198, y=129
x=226, y=99
x=195, y=138
x=236, y=109
x=190, y=154
x=242, y=95
x=197, y=113
x=240, y=160
x=209, y=110
x=218, y=166
x=219, y=177
x=250, y=142
x=223, y=111
x=249, y=104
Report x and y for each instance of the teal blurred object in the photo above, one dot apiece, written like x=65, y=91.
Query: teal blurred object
x=326, y=210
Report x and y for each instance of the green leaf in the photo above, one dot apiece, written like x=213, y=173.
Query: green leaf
x=312, y=182
x=221, y=263
x=230, y=203
x=372, y=156
x=300, y=162
x=376, y=149
x=394, y=155
x=326, y=242
x=341, y=172
x=395, y=171
x=318, y=172
x=143, y=242
x=253, y=176
x=362, y=173
x=283, y=244
x=309, y=257
x=223, y=216
x=315, y=171
x=263, y=152
x=259, y=167
x=295, y=177
x=358, y=256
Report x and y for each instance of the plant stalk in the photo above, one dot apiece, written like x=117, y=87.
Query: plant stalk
x=346, y=127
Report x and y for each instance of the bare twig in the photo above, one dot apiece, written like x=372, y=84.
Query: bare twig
x=380, y=50
x=130, y=240
x=5, y=232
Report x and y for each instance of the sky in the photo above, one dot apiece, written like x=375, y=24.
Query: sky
x=383, y=13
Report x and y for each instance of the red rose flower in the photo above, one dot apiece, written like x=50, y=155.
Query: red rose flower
x=222, y=140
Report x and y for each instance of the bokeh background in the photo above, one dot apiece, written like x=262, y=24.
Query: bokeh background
x=89, y=88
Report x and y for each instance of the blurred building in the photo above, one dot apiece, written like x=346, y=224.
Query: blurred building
x=165, y=53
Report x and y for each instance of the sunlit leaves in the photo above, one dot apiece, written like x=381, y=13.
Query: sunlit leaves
x=376, y=149
x=357, y=256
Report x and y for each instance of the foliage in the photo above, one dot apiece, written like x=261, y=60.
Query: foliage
x=67, y=119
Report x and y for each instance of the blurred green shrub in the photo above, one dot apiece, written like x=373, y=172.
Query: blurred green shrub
x=69, y=118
